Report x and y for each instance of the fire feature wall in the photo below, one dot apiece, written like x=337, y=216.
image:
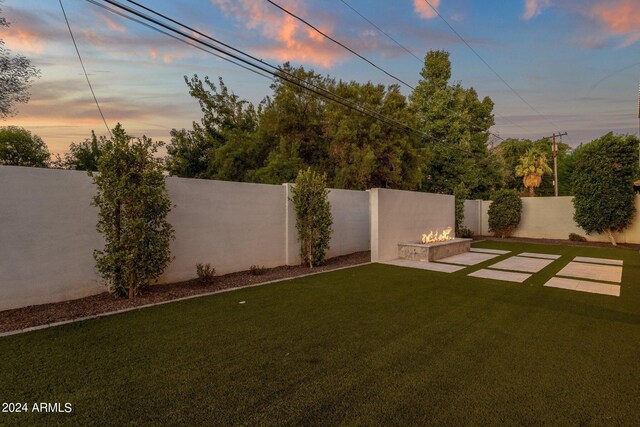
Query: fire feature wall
x=403, y=216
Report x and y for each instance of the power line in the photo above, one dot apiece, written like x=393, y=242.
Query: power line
x=279, y=74
x=83, y=69
x=488, y=65
x=368, y=61
x=383, y=32
x=340, y=44
x=419, y=60
x=107, y=8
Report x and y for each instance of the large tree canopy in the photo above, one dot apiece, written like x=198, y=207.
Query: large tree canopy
x=294, y=129
x=16, y=75
x=456, y=123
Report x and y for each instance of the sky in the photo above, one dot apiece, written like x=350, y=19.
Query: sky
x=576, y=63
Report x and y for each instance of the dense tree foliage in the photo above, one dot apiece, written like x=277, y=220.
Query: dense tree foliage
x=16, y=75
x=456, y=122
x=18, y=147
x=294, y=129
x=510, y=153
x=603, y=184
x=310, y=198
x=83, y=156
x=133, y=207
x=221, y=145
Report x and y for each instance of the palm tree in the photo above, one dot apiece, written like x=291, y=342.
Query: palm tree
x=533, y=165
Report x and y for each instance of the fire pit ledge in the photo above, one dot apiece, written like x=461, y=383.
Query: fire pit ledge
x=433, y=251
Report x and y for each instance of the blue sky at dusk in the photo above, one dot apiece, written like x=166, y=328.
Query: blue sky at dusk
x=577, y=62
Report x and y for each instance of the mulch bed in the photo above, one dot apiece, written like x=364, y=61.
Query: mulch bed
x=631, y=246
x=36, y=315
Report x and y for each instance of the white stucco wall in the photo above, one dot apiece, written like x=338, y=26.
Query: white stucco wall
x=47, y=236
x=552, y=218
x=473, y=216
x=48, y=231
x=403, y=216
x=230, y=225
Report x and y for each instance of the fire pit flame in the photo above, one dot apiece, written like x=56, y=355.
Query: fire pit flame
x=434, y=237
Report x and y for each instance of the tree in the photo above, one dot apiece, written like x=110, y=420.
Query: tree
x=505, y=212
x=18, y=147
x=310, y=198
x=604, y=199
x=511, y=150
x=365, y=153
x=16, y=76
x=221, y=146
x=456, y=123
x=85, y=155
x=292, y=127
x=133, y=207
x=532, y=166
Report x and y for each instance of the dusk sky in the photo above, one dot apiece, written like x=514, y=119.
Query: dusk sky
x=577, y=62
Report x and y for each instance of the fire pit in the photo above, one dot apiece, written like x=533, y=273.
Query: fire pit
x=434, y=246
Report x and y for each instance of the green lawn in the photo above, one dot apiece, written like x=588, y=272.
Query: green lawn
x=370, y=345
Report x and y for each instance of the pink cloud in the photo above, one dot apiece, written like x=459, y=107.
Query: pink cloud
x=23, y=40
x=288, y=39
x=533, y=8
x=423, y=9
x=113, y=25
x=622, y=18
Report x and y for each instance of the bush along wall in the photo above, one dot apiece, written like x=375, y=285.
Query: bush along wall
x=133, y=206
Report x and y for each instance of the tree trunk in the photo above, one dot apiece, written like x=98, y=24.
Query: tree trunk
x=532, y=192
x=611, y=238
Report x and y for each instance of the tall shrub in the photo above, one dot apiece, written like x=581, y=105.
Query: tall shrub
x=133, y=206
x=505, y=213
x=310, y=198
x=603, y=184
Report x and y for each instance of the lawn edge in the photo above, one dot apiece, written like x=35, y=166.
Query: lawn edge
x=124, y=310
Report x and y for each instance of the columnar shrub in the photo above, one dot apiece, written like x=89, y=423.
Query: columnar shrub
x=133, y=206
x=603, y=184
x=313, y=216
x=504, y=213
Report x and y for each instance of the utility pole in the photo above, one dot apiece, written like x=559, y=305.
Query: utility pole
x=555, y=160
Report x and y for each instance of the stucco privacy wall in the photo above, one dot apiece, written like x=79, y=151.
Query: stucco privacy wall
x=402, y=216
x=47, y=236
x=473, y=215
x=350, y=211
x=229, y=225
x=47, y=231
x=552, y=218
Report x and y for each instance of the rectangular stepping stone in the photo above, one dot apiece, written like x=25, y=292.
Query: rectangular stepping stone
x=506, y=276
x=536, y=255
x=489, y=251
x=517, y=263
x=598, y=260
x=425, y=265
x=468, y=258
x=605, y=273
x=584, y=286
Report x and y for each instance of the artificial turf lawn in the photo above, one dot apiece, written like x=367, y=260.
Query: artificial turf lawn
x=369, y=345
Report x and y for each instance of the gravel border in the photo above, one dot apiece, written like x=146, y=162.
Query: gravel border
x=47, y=315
